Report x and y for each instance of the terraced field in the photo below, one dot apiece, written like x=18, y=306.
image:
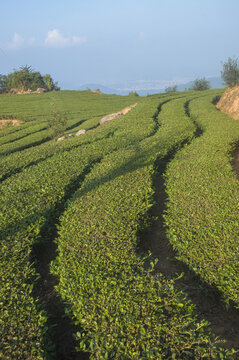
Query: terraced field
x=121, y=243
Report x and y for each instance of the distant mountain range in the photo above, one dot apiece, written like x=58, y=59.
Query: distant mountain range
x=143, y=88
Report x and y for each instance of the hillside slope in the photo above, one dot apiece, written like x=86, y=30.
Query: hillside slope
x=229, y=102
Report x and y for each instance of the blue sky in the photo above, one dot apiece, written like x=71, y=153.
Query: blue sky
x=110, y=42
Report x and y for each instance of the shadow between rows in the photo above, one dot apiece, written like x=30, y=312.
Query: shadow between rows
x=73, y=126
x=36, y=162
x=45, y=251
x=20, y=148
x=22, y=137
x=20, y=169
x=235, y=159
x=76, y=124
x=207, y=298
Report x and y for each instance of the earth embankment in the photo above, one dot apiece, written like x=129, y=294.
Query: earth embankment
x=229, y=102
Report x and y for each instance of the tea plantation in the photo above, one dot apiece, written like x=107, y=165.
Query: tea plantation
x=92, y=197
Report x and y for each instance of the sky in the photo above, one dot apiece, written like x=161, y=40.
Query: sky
x=123, y=42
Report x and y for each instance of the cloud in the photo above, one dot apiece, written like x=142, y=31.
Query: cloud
x=55, y=39
x=141, y=36
x=19, y=42
x=31, y=41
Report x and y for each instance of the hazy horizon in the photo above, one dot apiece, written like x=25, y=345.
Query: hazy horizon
x=109, y=43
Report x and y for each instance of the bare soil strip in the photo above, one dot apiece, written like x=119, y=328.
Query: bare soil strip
x=62, y=327
x=102, y=121
x=9, y=122
x=45, y=252
x=236, y=160
x=207, y=299
x=117, y=114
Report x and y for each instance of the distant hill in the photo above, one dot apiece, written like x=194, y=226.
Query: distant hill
x=102, y=88
x=143, y=89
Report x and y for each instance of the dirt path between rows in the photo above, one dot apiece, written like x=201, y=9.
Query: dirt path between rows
x=102, y=121
x=117, y=114
x=62, y=325
x=207, y=299
x=236, y=160
x=9, y=122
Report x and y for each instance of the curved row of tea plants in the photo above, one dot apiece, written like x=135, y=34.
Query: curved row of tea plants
x=203, y=192
x=34, y=139
x=29, y=201
x=125, y=312
x=35, y=135
x=22, y=133
x=129, y=127
x=39, y=108
x=19, y=160
x=5, y=132
x=86, y=124
x=79, y=104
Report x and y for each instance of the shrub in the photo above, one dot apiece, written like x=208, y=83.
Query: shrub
x=57, y=123
x=133, y=93
x=230, y=72
x=3, y=83
x=170, y=89
x=201, y=84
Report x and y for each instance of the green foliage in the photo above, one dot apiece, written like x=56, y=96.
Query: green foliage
x=170, y=89
x=19, y=141
x=33, y=196
x=26, y=79
x=124, y=310
x=134, y=93
x=27, y=138
x=50, y=84
x=230, y=72
x=81, y=106
x=23, y=330
x=57, y=123
x=201, y=84
x=3, y=83
x=203, y=191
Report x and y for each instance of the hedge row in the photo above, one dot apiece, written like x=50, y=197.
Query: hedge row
x=123, y=311
x=28, y=201
x=22, y=133
x=33, y=139
x=78, y=104
x=5, y=132
x=203, y=192
x=128, y=126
